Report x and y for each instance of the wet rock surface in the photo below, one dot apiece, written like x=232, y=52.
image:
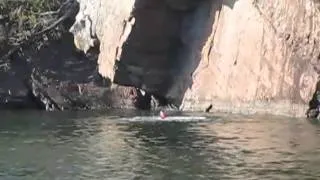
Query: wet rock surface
x=314, y=104
x=49, y=73
x=58, y=77
x=14, y=94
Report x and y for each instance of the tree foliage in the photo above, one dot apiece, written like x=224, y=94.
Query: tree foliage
x=26, y=21
x=26, y=14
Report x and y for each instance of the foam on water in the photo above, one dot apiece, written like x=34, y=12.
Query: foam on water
x=170, y=118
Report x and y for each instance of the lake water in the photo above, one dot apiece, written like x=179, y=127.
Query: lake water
x=119, y=145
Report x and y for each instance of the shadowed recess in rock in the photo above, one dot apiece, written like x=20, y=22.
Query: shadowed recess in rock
x=156, y=54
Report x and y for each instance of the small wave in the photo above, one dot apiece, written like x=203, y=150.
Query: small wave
x=170, y=118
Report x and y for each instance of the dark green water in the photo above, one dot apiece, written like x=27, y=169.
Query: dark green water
x=65, y=146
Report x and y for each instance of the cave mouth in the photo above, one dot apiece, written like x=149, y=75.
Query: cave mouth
x=151, y=55
x=148, y=101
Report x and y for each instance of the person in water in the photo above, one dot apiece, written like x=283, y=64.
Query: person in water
x=163, y=115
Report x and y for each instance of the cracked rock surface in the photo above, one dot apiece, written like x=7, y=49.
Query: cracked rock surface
x=233, y=56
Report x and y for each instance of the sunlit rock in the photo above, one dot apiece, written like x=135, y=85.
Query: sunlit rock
x=239, y=56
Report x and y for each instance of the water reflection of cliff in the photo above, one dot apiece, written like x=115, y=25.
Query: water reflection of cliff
x=235, y=147
x=265, y=146
x=104, y=147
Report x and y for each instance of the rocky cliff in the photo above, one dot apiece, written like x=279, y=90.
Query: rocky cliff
x=230, y=55
x=40, y=68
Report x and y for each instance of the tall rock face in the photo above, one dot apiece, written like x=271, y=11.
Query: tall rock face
x=235, y=55
x=259, y=57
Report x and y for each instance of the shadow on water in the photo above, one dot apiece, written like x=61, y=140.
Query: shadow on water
x=59, y=124
x=65, y=124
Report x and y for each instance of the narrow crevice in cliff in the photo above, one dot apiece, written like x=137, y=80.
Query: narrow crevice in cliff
x=151, y=48
x=150, y=55
x=197, y=33
x=163, y=47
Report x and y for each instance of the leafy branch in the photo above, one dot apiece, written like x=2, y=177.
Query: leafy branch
x=30, y=19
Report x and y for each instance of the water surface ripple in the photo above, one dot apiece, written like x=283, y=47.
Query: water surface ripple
x=64, y=146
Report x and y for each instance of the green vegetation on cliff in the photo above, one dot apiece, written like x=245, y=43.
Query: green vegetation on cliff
x=26, y=21
x=26, y=14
